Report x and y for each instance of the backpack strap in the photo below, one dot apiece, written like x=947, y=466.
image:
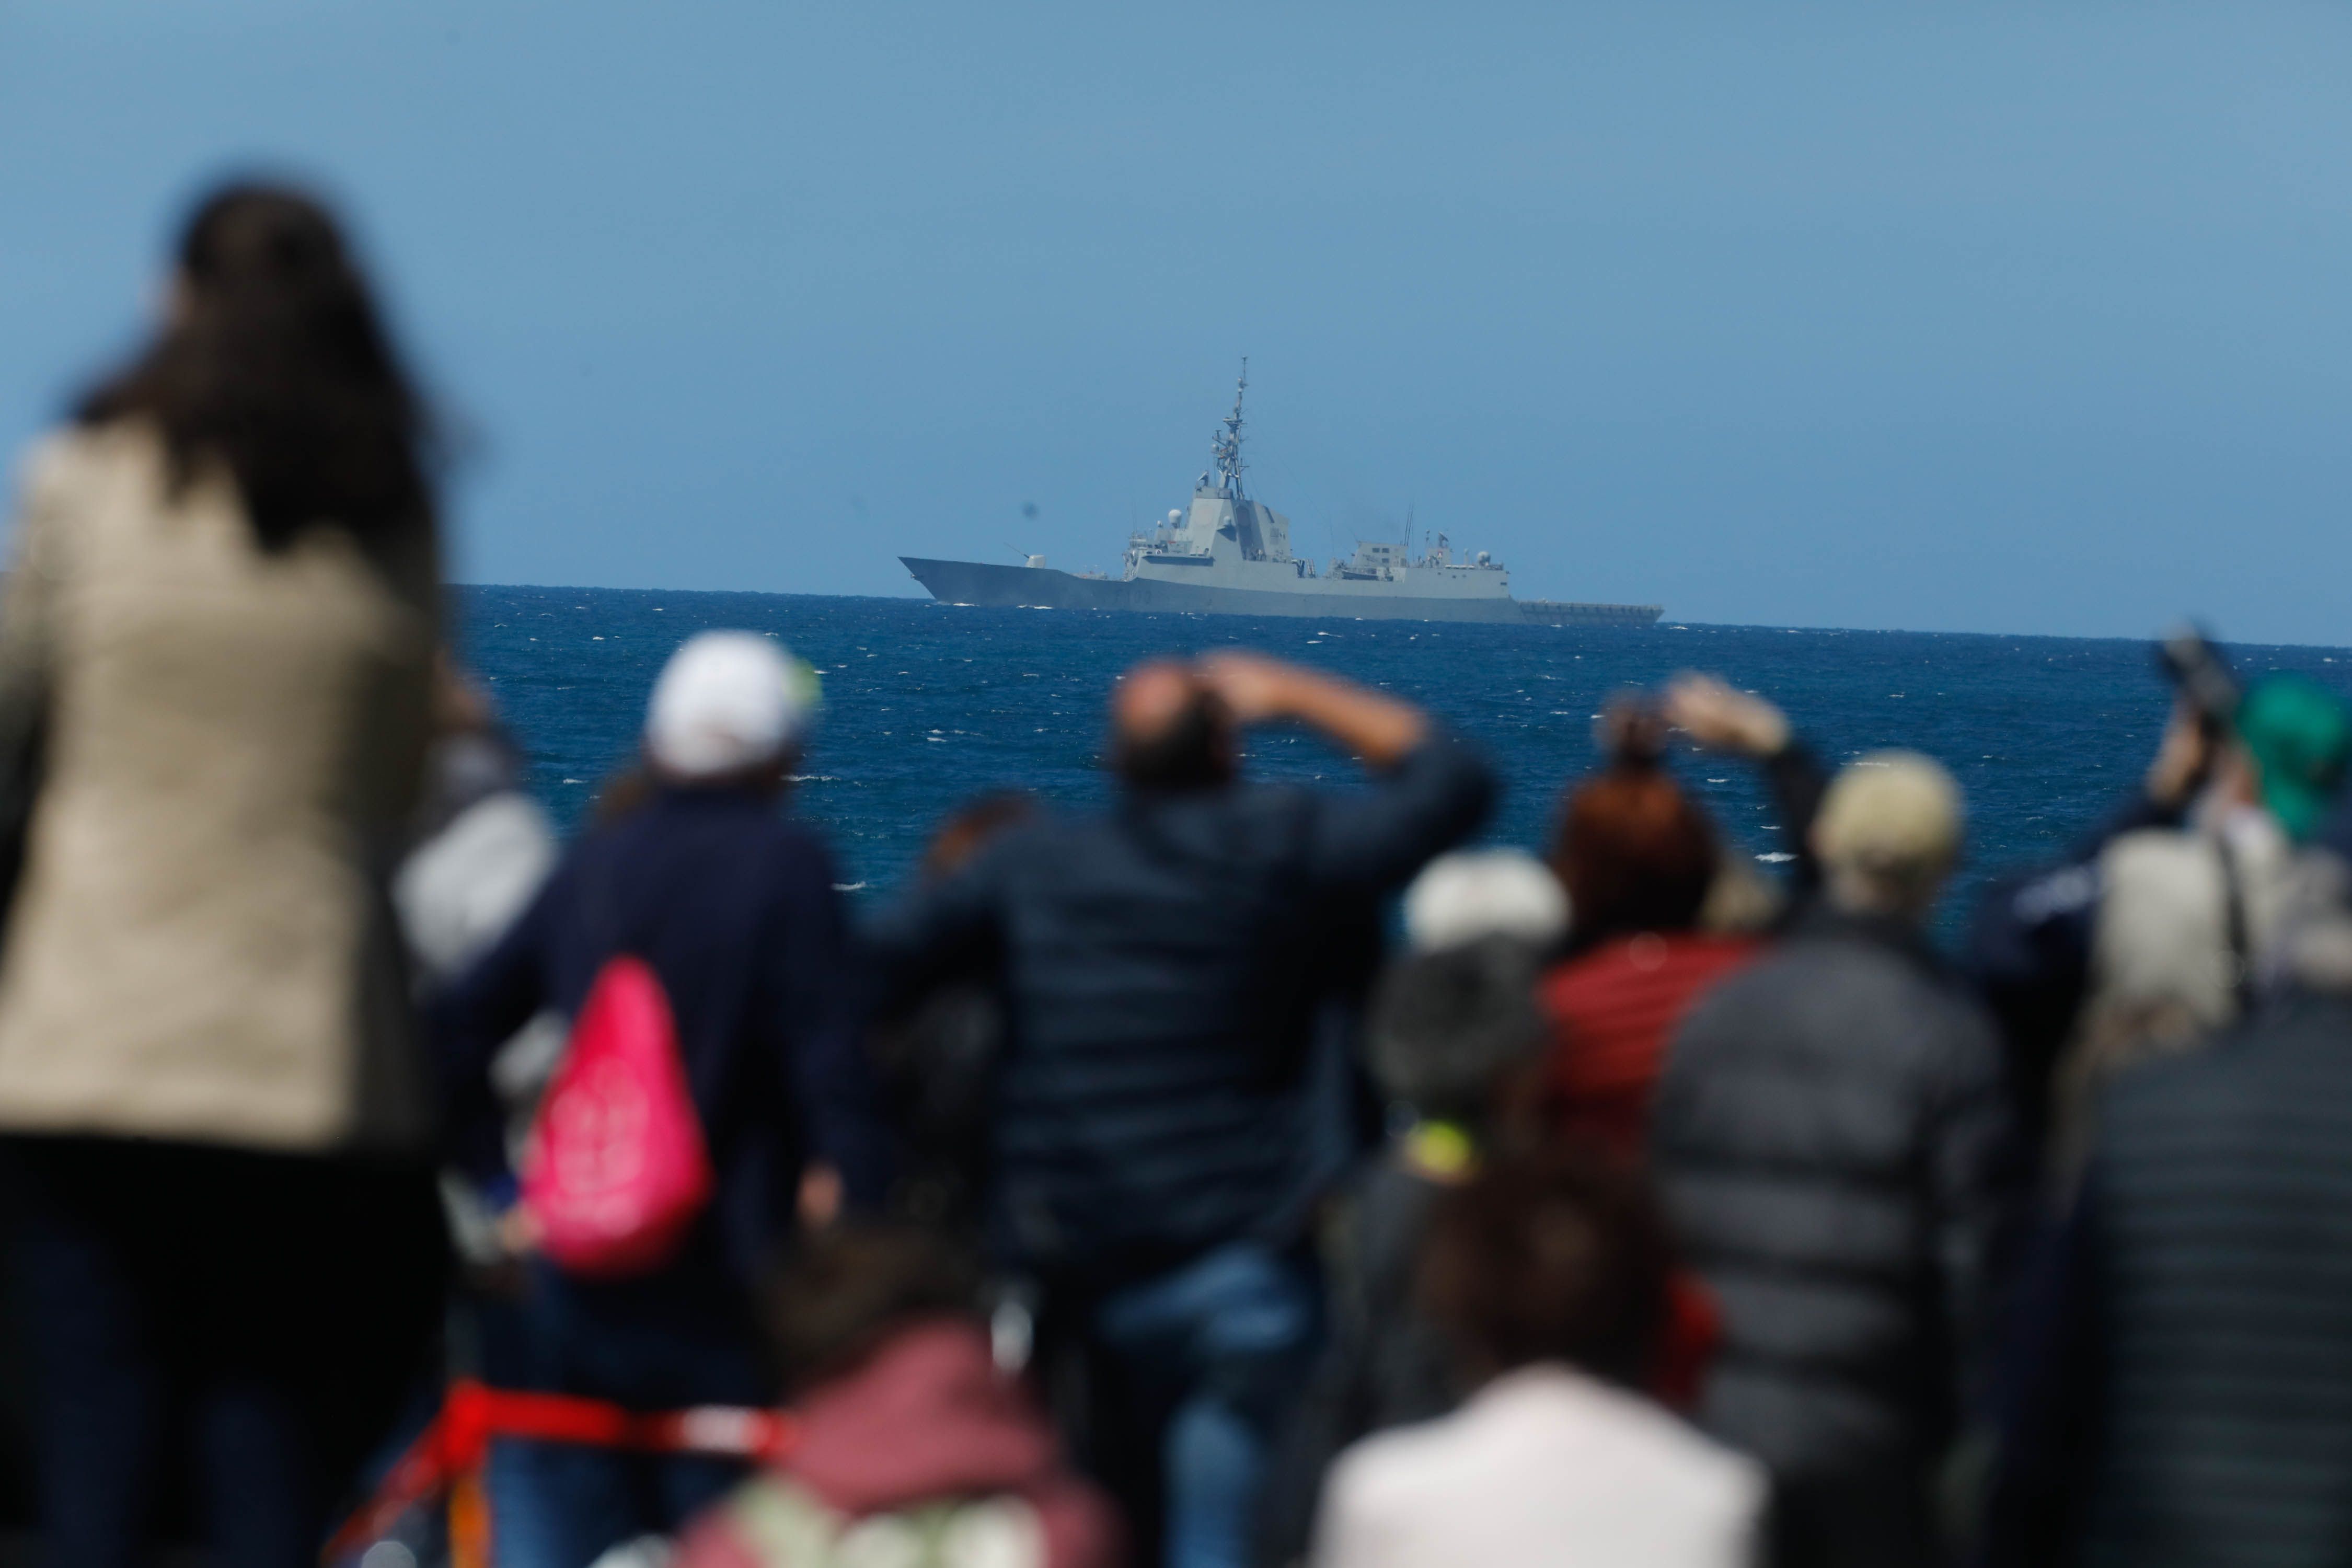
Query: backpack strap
x=2233, y=917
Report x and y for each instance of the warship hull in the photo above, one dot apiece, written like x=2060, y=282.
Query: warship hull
x=1041, y=587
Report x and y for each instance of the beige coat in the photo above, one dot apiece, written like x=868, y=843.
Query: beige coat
x=200, y=947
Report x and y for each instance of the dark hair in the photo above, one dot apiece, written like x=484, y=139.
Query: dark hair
x=1445, y=1025
x=276, y=364
x=972, y=825
x=625, y=793
x=1635, y=854
x=844, y=1290
x=1193, y=751
x=1561, y=1256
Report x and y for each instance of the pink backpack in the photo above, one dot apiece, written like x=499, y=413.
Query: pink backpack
x=616, y=1169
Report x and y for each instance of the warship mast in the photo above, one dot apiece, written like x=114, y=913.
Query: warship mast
x=1225, y=446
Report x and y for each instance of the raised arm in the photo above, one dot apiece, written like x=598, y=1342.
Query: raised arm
x=1433, y=791
x=1718, y=717
x=1378, y=728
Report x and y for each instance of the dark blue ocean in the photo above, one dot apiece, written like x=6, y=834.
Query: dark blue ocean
x=927, y=705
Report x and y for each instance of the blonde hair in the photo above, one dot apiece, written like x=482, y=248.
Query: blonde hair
x=1889, y=827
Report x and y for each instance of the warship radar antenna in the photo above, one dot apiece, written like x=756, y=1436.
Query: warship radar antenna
x=1226, y=447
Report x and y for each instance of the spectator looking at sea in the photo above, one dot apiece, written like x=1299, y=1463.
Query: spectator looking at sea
x=937, y=1055
x=2179, y=1391
x=2157, y=931
x=1451, y=1028
x=731, y=903
x=482, y=844
x=1834, y=1142
x=1549, y=1276
x=1163, y=966
x=216, y=670
x=913, y=1447
x=1651, y=885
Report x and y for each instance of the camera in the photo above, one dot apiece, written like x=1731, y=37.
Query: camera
x=2198, y=670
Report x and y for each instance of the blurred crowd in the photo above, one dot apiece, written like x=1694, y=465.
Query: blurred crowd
x=1235, y=1175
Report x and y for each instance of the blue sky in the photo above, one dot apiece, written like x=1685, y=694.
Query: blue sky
x=2028, y=318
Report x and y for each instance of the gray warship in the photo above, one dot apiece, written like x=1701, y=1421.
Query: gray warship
x=1229, y=555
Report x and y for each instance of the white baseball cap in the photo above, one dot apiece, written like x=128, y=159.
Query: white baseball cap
x=727, y=701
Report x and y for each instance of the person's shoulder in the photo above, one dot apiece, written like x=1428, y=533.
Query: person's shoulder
x=2251, y=1065
x=1490, y=1427
x=2159, y=850
x=1376, y=1474
x=1531, y=1420
x=72, y=463
x=2208, y=1119
x=51, y=460
x=1242, y=822
x=1677, y=1453
x=2160, y=1087
x=1040, y=832
x=1645, y=1457
x=755, y=837
x=2163, y=897
x=1756, y=977
x=1253, y=800
x=1868, y=953
x=1916, y=1000
x=796, y=852
x=1650, y=958
x=1049, y=841
x=792, y=835
x=66, y=450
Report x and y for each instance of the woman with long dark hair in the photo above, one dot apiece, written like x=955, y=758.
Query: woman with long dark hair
x=216, y=646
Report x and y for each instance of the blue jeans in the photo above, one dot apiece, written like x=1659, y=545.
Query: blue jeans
x=658, y=1343
x=1206, y=1360
x=559, y=1505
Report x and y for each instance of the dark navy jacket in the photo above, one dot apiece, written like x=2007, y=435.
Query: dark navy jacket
x=1165, y=966
x=2179, y=1390
x=733, y=905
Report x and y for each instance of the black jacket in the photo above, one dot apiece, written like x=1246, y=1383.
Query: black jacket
x=1837, y=1153
x=2181, y=1390
x=1166, y=967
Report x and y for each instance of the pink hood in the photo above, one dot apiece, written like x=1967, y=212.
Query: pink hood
x=926, y=1416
